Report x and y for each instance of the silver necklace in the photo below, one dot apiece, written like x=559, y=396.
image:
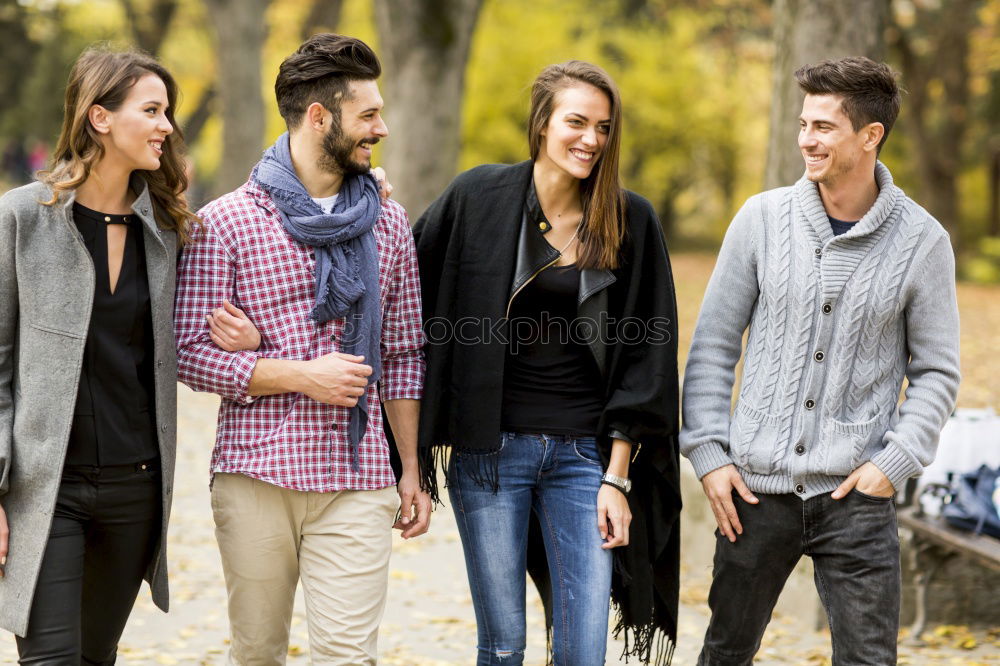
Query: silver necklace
x=571, y=239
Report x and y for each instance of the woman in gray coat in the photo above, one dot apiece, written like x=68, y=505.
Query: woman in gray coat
x=87, y=365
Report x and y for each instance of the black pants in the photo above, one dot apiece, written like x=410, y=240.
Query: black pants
x=854, y=545
x=104, y=530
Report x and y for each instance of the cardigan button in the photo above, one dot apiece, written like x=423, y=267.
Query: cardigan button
x=819, y=356
x=159, y=364
x=800, y=449
x=163, y=428
x=810, y=403
x=800, y=489
x=818, y=252
x=827, y=308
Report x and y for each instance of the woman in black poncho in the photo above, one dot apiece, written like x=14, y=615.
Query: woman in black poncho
x=552, y=377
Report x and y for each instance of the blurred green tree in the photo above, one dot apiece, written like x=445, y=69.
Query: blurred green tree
x=932, y=45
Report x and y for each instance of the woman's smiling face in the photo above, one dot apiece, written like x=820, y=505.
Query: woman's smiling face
x=577, y=131
x=137, y=130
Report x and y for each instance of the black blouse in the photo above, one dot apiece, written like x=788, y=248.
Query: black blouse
x=551, y=382
x=114, y=421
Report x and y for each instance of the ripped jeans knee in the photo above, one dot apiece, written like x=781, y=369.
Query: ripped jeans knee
x=501, y=656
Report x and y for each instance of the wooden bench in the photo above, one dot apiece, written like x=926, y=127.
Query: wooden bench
x=934, y=543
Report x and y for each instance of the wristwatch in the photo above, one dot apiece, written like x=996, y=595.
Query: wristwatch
x=620, y=482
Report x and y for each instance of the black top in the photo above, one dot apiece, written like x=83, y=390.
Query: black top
x=113, y=423
x=840, y=226
x=551, y=381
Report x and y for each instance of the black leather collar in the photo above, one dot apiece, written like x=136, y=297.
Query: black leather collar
x=534, y=253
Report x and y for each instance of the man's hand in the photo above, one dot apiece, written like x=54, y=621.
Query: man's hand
x=231, y=329
x=384, y=186
x=718, y=485
x=414, y=507
x=335, y=379
x=4, y=540
x=613, y=516
x=867, y=479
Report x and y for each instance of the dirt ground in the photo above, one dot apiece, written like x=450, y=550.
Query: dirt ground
x=429, y=619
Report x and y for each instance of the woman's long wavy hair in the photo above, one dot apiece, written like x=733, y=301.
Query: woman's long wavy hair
x=603, y=197
x=104, y=76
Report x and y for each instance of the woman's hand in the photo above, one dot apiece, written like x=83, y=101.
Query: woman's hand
x=384, y=186
x=613, y=516
x=4, y=540
x=231, y=329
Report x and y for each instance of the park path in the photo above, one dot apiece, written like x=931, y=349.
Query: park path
x=429, y=619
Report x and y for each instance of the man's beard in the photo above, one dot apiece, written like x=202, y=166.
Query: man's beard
x=337, y=150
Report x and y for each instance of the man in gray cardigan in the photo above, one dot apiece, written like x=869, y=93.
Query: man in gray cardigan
x=847, y=286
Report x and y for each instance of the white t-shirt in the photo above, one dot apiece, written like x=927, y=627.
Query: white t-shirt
x=326, y=203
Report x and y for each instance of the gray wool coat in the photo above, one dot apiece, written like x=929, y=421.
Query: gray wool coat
x=46, y=295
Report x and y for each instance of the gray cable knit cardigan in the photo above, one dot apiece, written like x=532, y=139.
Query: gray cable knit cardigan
x=835, y=325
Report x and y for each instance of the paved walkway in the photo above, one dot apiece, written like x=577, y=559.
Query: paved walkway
x=429, y=620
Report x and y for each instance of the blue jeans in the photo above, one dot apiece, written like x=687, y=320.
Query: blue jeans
x=557, y=477
x=855, y=551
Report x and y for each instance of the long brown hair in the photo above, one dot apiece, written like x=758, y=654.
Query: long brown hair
x=603, y=197
x=104, y=76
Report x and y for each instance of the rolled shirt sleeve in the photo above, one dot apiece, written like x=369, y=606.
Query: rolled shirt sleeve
x=205, y=276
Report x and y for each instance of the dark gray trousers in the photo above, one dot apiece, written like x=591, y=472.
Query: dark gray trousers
x=104, y=532
x=854, y=545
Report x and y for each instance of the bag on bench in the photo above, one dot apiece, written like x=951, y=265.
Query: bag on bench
x=972, y=506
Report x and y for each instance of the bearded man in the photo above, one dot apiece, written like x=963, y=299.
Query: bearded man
x=302, y=485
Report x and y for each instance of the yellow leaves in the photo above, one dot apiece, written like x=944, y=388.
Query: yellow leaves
x=396, y=574
x=952, y=635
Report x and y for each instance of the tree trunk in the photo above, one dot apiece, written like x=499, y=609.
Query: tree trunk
x=805, y=32
x=324, y=15
x=240, y=34
x=935, y=116
x=197, y=119
x=149, y=24
x=424, y=46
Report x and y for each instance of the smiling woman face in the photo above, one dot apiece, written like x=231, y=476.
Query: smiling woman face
x=577, y=131
x=134, y=134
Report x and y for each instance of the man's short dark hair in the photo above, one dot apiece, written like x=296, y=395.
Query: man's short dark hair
x=868, y=88
x=321, y=71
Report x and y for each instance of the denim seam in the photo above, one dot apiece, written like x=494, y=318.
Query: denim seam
x=824, y=594
x=559, y=575
x=472, y=576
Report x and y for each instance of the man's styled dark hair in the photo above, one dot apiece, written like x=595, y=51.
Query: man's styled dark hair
x=321, y=71
x=868, y=88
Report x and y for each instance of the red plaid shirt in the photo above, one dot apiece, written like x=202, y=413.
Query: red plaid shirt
x=289, y=440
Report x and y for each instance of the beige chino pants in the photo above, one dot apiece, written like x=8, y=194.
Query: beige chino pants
x=338, y=544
